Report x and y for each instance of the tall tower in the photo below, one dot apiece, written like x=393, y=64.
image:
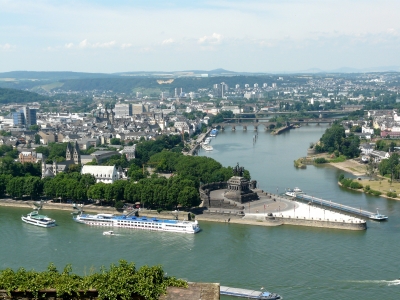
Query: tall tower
x=69, y=152
x=77, y=155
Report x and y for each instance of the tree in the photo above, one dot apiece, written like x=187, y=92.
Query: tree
x=15, y=187
x=115, y=141
x=4, y=179
x=33, y=186
x=34, y=127
x=189, y=197
x=37, y=139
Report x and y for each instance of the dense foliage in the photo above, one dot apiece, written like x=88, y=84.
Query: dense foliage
x=54, y=151
x=18, y=96
x=127, y=84
x=181, y=189
x=146, y=149
x=203, y=168
x=349, y=183
x=334, y=139
x=390, y=166
x=9, y=166
x=118, y=282
x=68, y=186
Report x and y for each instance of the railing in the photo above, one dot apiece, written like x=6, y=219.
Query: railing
x=337, y=206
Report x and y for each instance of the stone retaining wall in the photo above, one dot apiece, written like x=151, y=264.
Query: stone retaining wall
x=195, y=291
x=319, y=223
x=205, y=189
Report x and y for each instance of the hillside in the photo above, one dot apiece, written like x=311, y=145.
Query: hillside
x=18, y=96
x=128, y=85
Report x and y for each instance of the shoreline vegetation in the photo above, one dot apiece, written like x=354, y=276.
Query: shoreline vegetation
x=377, y=185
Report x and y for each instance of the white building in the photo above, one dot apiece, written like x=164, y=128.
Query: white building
x=129, y=152
x=123, y=110
x=106, y=174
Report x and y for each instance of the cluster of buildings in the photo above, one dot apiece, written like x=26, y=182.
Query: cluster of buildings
x=387, y=122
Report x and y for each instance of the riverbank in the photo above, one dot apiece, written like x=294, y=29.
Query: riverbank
x=253, y=219
x=350, y=166
x=182, y=215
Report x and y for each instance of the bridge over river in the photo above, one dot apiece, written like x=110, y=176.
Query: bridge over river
x=267, y=125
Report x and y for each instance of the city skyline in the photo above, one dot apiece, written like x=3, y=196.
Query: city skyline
x=252, y=36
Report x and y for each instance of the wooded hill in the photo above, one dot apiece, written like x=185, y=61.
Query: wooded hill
x=19, y=96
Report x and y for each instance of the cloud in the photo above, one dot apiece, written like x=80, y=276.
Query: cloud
x=167, y=41
x=104, y=45
x=85, y=44
x=146, y=50
x=215, y=38
x=126, y=45
x=6, y=47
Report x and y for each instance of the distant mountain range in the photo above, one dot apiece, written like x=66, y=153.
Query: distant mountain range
x=64, y=75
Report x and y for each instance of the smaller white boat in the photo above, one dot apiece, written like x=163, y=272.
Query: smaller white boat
x=34, y=218
x=293, y=192
x=207, y=141
x=378, y=216
x=207, y=147
x=108, y=232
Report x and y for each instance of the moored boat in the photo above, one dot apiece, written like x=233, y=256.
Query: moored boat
x=248, y=294
x=293, y=192
x=214, y=132
x=34, y=218
x=143, y=223
x=378, y=216
x=207, y=141
x=207, y=147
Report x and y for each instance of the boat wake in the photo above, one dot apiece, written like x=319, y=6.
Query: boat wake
x=381, y=282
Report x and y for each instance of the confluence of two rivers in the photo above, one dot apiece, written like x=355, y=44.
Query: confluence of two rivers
x=295, y=262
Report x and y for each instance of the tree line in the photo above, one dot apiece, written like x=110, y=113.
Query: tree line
x=334, y=140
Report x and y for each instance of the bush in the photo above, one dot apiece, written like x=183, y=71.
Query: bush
x=376, y=193
x=119, y=205
x=346, y=182
x=118, y=282
x=367, y=188
x=320, y=160
x=355, y=185
x=392, y=194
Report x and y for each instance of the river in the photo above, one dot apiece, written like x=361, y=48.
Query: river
x=296, y=262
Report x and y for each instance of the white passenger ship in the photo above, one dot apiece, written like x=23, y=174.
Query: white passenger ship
x=34, y=218
x=144, y=223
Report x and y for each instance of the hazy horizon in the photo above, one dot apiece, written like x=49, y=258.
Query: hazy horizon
x=272, y=36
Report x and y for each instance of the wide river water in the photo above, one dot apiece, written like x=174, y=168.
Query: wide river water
x=296, y=262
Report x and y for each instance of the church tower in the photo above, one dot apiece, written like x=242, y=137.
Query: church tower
x=77, y=154
x=111, y=117
x=69, y=152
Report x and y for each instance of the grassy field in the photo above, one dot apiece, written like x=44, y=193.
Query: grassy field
x=50, y=86
x=382, y=184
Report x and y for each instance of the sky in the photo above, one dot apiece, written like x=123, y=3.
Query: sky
x=174, y=35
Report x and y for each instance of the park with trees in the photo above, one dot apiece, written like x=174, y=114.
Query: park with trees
x=174, y=182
